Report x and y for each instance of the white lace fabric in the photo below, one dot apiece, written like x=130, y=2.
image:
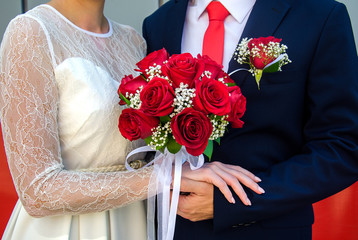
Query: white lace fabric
x=36, y=135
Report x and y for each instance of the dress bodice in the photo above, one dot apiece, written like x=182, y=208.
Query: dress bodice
x=88, y=116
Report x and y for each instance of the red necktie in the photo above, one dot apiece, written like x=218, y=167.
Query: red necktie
x=213, y=44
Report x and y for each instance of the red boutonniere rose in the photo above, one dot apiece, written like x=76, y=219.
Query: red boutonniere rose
x=263, y=55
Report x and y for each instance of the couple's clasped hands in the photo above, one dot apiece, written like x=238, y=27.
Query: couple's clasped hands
x=196, y=203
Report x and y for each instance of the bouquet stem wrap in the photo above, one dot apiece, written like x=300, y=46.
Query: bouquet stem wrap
x=162, y=180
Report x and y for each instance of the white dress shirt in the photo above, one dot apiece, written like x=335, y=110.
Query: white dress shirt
x=197, y=21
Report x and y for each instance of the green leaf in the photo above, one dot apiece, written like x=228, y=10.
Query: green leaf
x=258, y=75
x=165, y=119
x=230, y=84
x=272, y=68
x=218, y=140
x=124, y=98
x=143, y=76
x=173, y=146
x=148, y=140
x=209, y=149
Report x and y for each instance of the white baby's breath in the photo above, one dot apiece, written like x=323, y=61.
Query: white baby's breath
x=183, y=98
x=219, y=124
x=135, y=99
x=242, y=52
x=160, y=136
x=154, y=71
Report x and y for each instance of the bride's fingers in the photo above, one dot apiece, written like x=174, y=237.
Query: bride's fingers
x=188, y=185
x=243, y=170
x=222, y=175
x=198, y=187
x=231, y=179
x=221, y=179
x=232, y=175
x=209, y=176
x=217, y=180
x=244, y=178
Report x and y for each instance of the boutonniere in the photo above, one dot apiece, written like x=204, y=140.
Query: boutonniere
x=264, y=54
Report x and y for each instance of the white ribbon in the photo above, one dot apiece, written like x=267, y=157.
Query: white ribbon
x=166, y=213
x=235, y=71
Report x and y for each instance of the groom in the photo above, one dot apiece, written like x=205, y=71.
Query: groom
x=301, y=128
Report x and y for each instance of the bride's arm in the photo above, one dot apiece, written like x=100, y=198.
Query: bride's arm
x=28, y=102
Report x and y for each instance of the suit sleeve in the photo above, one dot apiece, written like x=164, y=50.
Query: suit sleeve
x=328, y=161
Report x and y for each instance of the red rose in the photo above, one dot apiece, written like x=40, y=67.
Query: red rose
x=211, y=96
x=238, y=107
x=210, y=65
x=192, y=129
x=134, y=124
x=263, y=59
x=157, y=98
x=183, y=68
x=215, y=69
x=154, y=58
x=130, y=85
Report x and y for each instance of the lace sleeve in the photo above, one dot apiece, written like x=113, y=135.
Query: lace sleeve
x=142, y=45
x=28, y=105
x=138, y=41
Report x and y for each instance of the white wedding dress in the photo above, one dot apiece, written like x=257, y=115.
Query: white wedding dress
x=59, y=114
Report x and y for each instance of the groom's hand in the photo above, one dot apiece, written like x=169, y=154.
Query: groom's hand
x=197, y=205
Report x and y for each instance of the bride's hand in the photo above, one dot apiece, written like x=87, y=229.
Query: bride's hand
x=223, y=175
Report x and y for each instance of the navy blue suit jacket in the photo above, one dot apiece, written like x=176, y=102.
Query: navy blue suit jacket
x=301, y=129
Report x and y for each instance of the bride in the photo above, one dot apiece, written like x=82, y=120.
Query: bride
x=61, y=64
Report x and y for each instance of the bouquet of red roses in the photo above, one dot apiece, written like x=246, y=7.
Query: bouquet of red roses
x=179, y=101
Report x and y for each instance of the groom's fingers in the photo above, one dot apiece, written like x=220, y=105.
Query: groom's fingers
x=197, y=207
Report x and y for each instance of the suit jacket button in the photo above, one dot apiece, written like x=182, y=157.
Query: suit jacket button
x=237, y=225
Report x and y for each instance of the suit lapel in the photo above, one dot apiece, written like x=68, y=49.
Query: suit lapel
x=264, y=20
x=174, y=26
